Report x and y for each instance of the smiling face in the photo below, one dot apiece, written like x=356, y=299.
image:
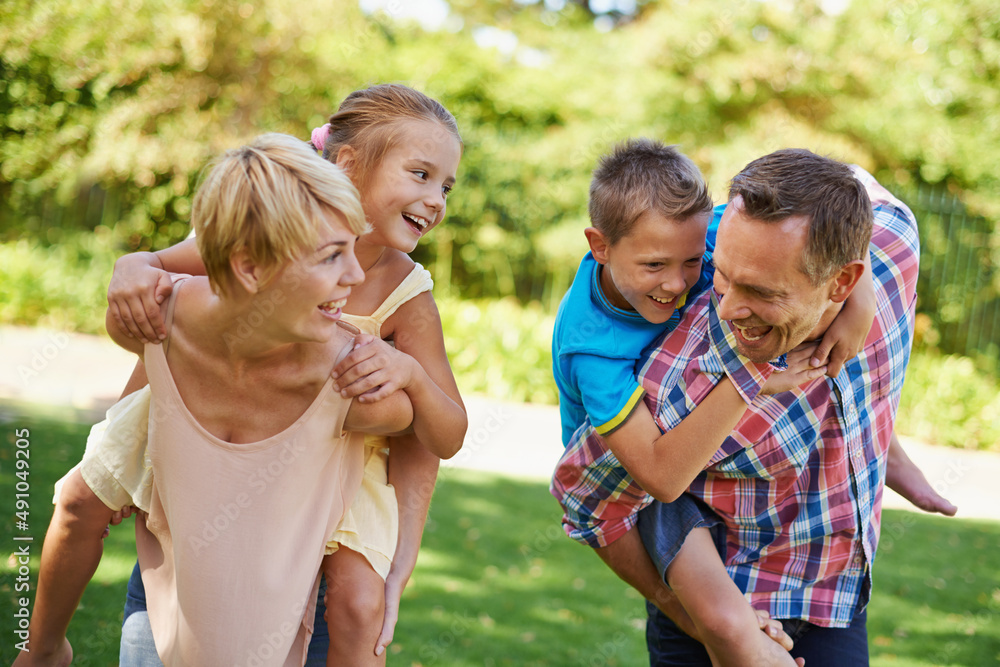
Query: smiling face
x=763, y=291
x=407, y=194
x=309, y=293
x=656, y=263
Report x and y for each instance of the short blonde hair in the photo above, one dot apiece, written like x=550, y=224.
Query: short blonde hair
x=271, y=198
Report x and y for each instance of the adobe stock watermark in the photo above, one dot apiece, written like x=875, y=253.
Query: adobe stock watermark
x=42, y=357
x=228, y=513
x=475, y=439
x=439, y=648
x=276, y=641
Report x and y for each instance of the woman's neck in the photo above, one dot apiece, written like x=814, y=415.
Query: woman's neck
x=235, y=333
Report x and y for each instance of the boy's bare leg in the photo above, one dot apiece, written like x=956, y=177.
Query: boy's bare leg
x=355, y=609
x=627, y=558
x=726, y=622
x=905, y=478
x=70, y=554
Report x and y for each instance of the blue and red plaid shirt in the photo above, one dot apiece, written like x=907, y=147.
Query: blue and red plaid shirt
x=799, y=482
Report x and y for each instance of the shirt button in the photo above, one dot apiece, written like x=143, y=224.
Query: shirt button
x=857, y=560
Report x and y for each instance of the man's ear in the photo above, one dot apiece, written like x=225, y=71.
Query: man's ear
x=599, y=245
x=346, y=160
x=245, y=271
x=846, y=279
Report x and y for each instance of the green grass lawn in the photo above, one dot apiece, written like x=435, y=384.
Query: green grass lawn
x=499, y=584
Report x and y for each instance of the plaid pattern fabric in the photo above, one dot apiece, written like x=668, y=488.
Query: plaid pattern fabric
x=799, y=482
x=600, y=500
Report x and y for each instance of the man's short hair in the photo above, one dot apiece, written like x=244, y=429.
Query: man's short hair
x=795, y=181
x=271, y=198
x=640, y=175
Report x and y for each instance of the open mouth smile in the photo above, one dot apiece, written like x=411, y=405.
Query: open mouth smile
x=419, y=224
x=752, y=334
x=333, y=307
x=664, y=301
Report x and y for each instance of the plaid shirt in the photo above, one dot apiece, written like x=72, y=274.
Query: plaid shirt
x=799, y=482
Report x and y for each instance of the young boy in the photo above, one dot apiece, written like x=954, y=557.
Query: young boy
x=650, y=210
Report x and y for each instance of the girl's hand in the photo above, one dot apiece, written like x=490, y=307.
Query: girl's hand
x=138, y=287
x=800, y=371
x=393, y=592
x=373, y=370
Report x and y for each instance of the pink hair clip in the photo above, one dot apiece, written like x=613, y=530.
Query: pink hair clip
x=319, y=136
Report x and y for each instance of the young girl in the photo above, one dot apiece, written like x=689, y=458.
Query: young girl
x=401, y=149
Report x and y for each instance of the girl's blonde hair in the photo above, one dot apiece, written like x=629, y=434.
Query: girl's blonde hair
x=369, y=121
x=271, y=198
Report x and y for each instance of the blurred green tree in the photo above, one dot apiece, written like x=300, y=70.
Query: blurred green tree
x=110, y=108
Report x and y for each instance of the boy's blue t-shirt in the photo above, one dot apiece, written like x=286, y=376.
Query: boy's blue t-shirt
x=595, y=347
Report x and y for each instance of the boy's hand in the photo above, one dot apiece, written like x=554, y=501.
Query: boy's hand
x=845, y=337
x=373, y=370
x=135, y=293
x=800, y=371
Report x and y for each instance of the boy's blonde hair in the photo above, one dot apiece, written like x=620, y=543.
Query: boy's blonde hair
x=369, y=121
x=271, y=198
x=640, y=175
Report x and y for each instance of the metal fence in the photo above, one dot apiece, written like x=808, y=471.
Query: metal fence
x=959, y=284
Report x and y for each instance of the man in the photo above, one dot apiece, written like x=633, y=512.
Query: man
x=798, y=485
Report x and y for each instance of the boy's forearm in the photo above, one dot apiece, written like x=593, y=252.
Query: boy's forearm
x=665, y=464
x=692, y=443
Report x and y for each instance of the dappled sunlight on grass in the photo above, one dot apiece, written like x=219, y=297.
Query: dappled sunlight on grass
x=499, y=583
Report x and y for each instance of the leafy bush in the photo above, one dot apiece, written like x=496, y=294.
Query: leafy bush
x=497, y=348
x=500, y=348
x=61, y=286
x=948, y=402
